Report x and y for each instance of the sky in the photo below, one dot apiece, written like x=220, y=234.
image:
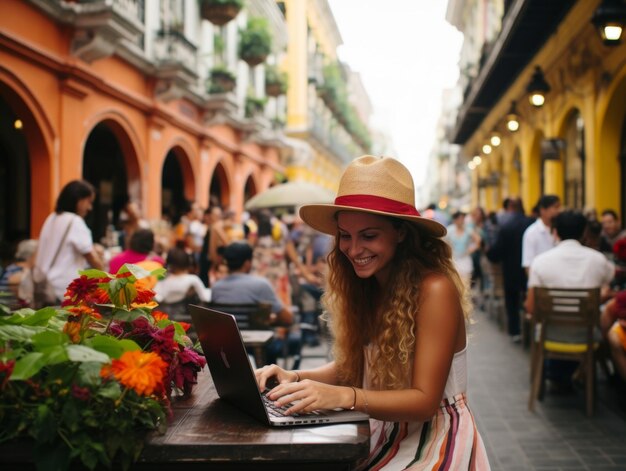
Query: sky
x=406, y=54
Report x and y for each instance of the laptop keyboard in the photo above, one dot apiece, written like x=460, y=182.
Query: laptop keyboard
x=273, y=409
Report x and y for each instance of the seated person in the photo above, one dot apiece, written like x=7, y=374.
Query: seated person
x=613, y=325
x=141, y=248
x=242, y=287
x=14, y=272
x=180, y=285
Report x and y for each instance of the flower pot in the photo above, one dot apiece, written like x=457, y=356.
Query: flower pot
x=253, y=61
x=273, y=89
x=218, y=14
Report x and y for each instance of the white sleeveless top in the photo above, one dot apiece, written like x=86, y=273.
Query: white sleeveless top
x=457, y=377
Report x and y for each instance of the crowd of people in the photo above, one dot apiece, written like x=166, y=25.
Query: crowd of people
x=553, y=247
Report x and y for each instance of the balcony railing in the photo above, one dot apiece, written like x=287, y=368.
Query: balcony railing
x=171, y=47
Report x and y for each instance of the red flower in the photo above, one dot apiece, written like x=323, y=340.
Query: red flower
x=6, y=369
x=82, y=394
x=159, y=316
x=81, y=290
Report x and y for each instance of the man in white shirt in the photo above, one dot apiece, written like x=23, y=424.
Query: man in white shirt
x=538, y=237
x=568, y=265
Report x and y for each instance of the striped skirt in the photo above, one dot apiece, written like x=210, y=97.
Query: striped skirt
x=449, y=441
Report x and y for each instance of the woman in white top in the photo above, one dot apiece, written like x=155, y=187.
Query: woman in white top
x=65, y=242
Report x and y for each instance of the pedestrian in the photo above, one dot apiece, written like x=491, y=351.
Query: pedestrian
x=398, y=310
x=65, y=243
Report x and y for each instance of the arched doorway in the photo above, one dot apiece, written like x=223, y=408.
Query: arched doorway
x=104, y=167
x=574, y=161
x=219, y=191
x=173, y=200
x=14, y=182
x=249, y=189
x=622, y=171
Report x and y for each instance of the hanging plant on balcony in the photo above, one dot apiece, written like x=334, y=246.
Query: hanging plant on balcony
x=220, y=12
x=222, y=80
x=255, y=42
x=275, y=81
x=254, y=106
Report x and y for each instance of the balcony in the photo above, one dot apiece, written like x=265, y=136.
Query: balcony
x=99, y=25
x=175, y=61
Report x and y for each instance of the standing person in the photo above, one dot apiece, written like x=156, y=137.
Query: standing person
x=538, y=237
x=507, y=250
x=464, y=241
x=398, y=309
x=65, y=243
x=211, y=216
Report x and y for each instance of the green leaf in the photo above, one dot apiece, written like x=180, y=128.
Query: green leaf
x=28, y=365
x=89, y=373
x=30, y=317
x=19, y=333
x=128, y=316
x=49, y=338
x=111, y=346
x=55, y=355
x=93, y=273
x=110, y=390
x=83, y=353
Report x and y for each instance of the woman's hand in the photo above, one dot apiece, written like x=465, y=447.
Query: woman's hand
x=270, y=375
x=307, y=395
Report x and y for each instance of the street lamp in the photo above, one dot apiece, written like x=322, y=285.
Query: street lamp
x=512, y=120
x=609, y=19
x=537, y=88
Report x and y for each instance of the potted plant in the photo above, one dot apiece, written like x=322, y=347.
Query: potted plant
x=85, y=383
x=222, y=80
x=220, y=12
x=275, y=81
x=254, y=106
x=255, y=41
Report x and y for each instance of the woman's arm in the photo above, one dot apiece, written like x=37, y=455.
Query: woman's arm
x=323, y=374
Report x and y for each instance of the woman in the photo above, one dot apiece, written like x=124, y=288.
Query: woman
x=398, y=310
x=464, y=241
x=65, y=242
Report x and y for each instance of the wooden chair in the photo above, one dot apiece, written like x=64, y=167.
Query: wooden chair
x=558, y=310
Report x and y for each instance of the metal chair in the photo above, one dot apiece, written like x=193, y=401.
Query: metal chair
x=559, y=314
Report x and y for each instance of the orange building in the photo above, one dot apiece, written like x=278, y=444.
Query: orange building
x=111, y=92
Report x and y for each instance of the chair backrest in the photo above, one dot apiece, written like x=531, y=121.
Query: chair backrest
x=569, y=310
x=250, y=316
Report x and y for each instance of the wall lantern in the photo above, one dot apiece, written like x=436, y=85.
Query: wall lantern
x=609, y=19
x=512, y=119
x=537, y=88
x=495, y=139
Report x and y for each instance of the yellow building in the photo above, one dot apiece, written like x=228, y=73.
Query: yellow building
x=574, y=145
x=318, y=107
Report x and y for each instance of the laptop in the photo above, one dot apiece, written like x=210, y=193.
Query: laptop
x=234, y=378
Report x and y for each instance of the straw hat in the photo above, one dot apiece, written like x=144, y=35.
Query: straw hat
x=376, y=185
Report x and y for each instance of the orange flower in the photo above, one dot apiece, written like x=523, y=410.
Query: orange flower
x=72, y=329
x=83, y=309
x=159, y=316
x=140, y=371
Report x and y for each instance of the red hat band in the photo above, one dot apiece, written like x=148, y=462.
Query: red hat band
x=377, y=203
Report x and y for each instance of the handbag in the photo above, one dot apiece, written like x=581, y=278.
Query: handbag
x=42, y=290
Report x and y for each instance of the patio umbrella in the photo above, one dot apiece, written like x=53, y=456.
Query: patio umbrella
x=290, y=194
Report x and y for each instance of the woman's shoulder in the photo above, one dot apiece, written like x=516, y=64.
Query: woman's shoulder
x=438, y=284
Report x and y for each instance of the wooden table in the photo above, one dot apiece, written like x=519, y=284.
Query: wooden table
x=257, y=340
x=209, y=433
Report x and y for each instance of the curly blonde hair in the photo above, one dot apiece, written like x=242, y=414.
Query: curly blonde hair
x=360, y=312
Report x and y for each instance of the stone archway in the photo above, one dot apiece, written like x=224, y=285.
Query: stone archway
x=219, y=190
x=110, y=163
x=26, y=174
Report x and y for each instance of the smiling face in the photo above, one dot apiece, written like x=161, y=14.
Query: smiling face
x=369, y=242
